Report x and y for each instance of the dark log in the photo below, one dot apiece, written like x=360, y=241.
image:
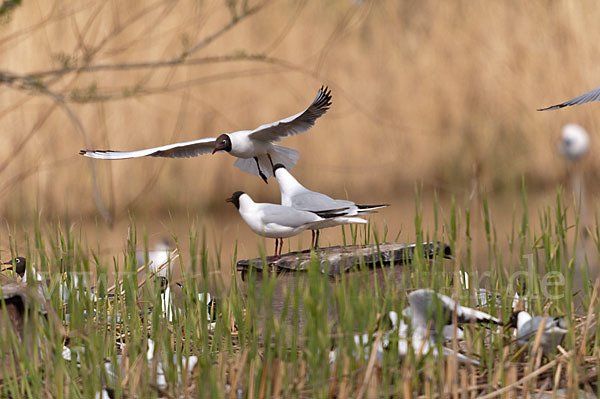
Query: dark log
x=341, y=259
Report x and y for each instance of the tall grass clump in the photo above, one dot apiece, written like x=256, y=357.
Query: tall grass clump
x=98, y=327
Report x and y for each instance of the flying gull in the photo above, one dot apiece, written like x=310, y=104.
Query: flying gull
x=254, y=149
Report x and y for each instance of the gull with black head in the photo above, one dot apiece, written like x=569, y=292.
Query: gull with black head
x=18, y=265
x=277, y=221
x=254, y=149
x=554, y=330
x=295, y=195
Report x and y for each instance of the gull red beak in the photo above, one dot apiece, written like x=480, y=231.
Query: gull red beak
x=230, y=199
x=215, y=150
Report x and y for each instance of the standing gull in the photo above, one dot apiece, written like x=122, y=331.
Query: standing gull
x=254, y=149
x=277, y=221
x=297, y=196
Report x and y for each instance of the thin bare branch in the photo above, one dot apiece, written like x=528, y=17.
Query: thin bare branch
x=246, y=12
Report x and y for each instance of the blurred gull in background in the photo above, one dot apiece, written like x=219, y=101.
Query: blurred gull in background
x=575, y=141
x=155, y=258
x=574, y=144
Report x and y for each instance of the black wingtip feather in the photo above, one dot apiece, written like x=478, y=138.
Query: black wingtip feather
x=330, y=213
x=372, y=206
x=552, y=107
x=323, y=100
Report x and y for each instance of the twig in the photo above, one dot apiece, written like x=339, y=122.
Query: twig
x=588, y=320
x=370, y=365
x=526, y=378
x=172, y=256
x=210, y=38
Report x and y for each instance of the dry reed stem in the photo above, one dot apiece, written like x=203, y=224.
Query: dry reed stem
x=174, y=255
x=464, y=383
x=370, y=365
x=251, y=377
x=277, y=379
x=262, y=389
x=237, y=370
x=301, y=375
x=588, y=321
x=524, y=379
x=344, y=386
x=511, y=378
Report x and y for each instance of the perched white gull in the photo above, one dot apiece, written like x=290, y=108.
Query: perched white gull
x=527, y=326
x=592, y=95
x=254, y=149
x=297, y=196
x=277, y=221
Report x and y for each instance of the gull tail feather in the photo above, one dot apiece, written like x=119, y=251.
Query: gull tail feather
x=284, y=155
x=248, y=165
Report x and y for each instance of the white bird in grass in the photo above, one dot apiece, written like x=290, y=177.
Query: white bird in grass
x=295, y=195
x=277, y=221
x=254, y=149
x=155, y=258
x=424, y=313
x=421, y=332
x=184, y=365
x=555, y=329
x=592, y=95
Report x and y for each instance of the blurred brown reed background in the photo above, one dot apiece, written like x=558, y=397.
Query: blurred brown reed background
x=441, y=94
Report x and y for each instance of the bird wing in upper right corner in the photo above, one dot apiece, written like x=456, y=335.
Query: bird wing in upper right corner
x=592, y=95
